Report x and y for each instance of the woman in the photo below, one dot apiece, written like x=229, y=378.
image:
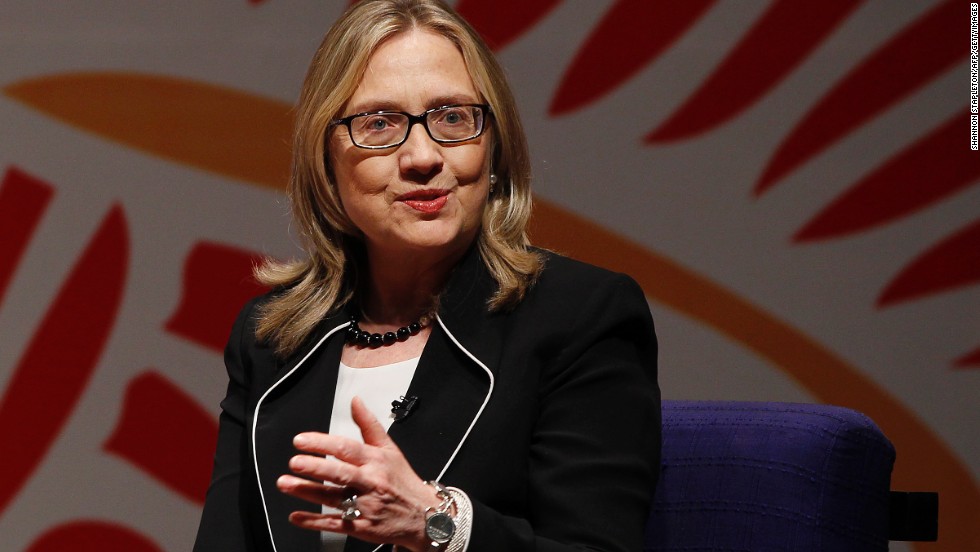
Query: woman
x=527, y=380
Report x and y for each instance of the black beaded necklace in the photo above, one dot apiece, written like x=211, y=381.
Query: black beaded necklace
x=357, y=336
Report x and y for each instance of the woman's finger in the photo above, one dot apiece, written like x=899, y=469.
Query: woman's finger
x=372, y=431
x=324, y=444
x=330, y=470
x=311, y=491
x=327, y=522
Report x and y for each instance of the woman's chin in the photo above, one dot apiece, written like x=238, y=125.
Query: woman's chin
x=429, y=240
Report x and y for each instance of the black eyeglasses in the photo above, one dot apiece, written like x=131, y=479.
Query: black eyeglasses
x=386, y=129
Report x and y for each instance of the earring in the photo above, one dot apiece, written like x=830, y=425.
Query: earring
x=493, y=183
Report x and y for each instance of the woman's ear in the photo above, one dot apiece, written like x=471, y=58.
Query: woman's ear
x=496, y=156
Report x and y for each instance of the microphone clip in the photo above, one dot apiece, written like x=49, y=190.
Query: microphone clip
x=402, y=407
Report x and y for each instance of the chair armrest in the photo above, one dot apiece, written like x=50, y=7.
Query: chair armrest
x=913, y=516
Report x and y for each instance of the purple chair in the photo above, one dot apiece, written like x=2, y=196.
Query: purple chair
x=760, y=477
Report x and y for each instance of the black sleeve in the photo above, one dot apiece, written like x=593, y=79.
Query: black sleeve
x=595, y=449
x=223, y=527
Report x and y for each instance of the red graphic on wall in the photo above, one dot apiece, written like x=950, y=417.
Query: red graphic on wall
x=969, y=360
x=502, y=21
x=611, y=56
x=217, y=282
x=156, y=416
x=23, y=200
x=955, y=262
x=92, y=536
x=63, y=354
x=904, y=64
x=933, y=168
x=754, y=67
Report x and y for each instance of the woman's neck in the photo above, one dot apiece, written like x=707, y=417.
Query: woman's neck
x=401, y=288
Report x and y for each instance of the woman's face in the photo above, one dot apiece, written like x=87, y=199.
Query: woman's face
x=421, y=197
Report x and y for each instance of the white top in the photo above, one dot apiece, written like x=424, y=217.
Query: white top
x=377, y=387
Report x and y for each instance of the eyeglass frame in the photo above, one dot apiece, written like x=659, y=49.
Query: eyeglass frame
x=421, y=119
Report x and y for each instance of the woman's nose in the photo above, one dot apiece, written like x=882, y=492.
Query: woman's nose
x=420, y=154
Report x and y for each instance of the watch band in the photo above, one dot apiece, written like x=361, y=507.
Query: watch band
x=463, y=518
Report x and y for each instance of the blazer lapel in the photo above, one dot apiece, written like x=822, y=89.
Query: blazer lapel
x=453, y=381
x=300, y=399
x=451, y=391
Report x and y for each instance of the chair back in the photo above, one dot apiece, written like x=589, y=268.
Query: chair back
x=743, y=476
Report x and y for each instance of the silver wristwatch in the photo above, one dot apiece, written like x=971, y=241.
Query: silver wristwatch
x=439, y=523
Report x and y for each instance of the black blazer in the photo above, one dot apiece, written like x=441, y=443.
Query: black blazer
x=547, y=416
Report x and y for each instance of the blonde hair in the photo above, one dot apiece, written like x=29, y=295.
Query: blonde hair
x=315, y=287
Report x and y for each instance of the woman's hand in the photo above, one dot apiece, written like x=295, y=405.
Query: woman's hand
x=391, y=498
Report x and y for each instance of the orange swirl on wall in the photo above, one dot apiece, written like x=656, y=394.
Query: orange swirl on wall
x=215, y=128
x=246, y=137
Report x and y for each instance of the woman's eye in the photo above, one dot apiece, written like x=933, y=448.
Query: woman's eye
x=455, y=116
x=378, y=124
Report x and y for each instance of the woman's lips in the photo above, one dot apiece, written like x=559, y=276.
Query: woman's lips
x=426, y=201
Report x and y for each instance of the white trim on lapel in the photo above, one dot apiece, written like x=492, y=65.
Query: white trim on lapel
x=258, y=407
x=255, y=420
x=482, y=406
x=475, y=418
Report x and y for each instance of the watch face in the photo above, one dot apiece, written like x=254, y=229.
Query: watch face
x=440, y=527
